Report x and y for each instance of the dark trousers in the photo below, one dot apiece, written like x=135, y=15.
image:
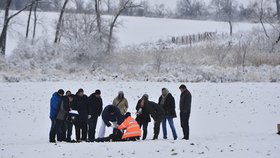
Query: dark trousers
x=184, y=117
x=56, y=129
x=92, y=127
x=157, y=127
x=52, y=131
x=145, y=127
x=81, y=125
x=69, y=129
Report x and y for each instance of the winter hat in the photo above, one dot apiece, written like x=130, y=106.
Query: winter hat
x=120, y=94
x=127, y=115
x=60, y=91
x=80, y=90
x=183, y=86
x=145, y=97
x=97, y=92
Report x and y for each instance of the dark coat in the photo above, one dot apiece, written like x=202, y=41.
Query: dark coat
x=117, y=116
x=144, y=117
x=63, y=108
x=95, y=105
x=155, y=110
x=168, y=106
x=81, y=105
x=185, y=102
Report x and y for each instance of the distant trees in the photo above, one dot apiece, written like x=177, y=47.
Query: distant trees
x=190, y=8
x=225, y=10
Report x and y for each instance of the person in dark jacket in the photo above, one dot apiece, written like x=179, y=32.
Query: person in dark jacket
x=143, y=117
x=157, y=113
x=185, y=110
x=166, y=100
x=114, y=137
x=95, y=109
x=111, y=117
x=54, y=104
x=81, y=105
x=60, y=116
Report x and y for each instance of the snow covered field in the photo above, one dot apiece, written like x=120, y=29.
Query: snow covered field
x=228, y=120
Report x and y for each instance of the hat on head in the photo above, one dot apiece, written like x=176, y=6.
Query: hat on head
x=127, y=115
x=80, y=90
x=60, y=91
x=97, y=91
x=145, y=97
x=183, y=86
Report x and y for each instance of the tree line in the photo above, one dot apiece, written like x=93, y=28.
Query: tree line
x=225, y=10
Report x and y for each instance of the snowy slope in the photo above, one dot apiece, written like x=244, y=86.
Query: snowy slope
x=133, y=30
x=227, y=121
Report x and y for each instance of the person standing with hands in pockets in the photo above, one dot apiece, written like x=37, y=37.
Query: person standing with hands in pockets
x=185, y=110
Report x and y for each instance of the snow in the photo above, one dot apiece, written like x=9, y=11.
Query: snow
x=227, y=120
x=131, y=31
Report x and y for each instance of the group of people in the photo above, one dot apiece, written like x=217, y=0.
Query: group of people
x=83, y=112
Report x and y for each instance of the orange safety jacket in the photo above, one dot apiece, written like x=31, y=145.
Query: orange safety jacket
x=132, y=128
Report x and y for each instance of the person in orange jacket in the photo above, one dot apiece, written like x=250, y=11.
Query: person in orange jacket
x=133, y=131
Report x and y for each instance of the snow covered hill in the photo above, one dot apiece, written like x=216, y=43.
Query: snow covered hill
x=131, y=31
x=227, y=121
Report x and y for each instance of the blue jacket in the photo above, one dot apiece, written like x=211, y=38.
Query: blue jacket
x=54, y=105
x=116, y=117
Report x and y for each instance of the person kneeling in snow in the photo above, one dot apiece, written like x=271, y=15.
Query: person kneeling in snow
x=132, y=128
x=132, y=133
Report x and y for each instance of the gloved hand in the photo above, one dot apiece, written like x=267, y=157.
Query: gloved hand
x=89, y=116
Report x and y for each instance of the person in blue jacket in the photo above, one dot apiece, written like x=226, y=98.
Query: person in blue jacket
x=55, y=99
x=111, y=117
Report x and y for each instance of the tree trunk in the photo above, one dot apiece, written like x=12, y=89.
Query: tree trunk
x=230, y=27
x=278, y=9
x=127, y=4
x=3, y=36
x=58, y=26
x=35, y=21
x=98, y=18
x=28, y=22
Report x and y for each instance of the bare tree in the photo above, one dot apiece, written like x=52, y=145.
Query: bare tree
x=224, y=11
x=58, y=26
x=189, y=8
x=278, y=8
x=28, y=21
x=7, y=18
x=243, y=49
x=79, y=5
x=35, y=20
x=125, y=5
x=98, y=17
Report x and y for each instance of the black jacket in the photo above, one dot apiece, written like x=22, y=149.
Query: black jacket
x=116, y=117
x=155, y=110
x=95, y=105
x=63, y=108
x=144, y=116
x=81, y=105
x=168, y=106
x=185, y=102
